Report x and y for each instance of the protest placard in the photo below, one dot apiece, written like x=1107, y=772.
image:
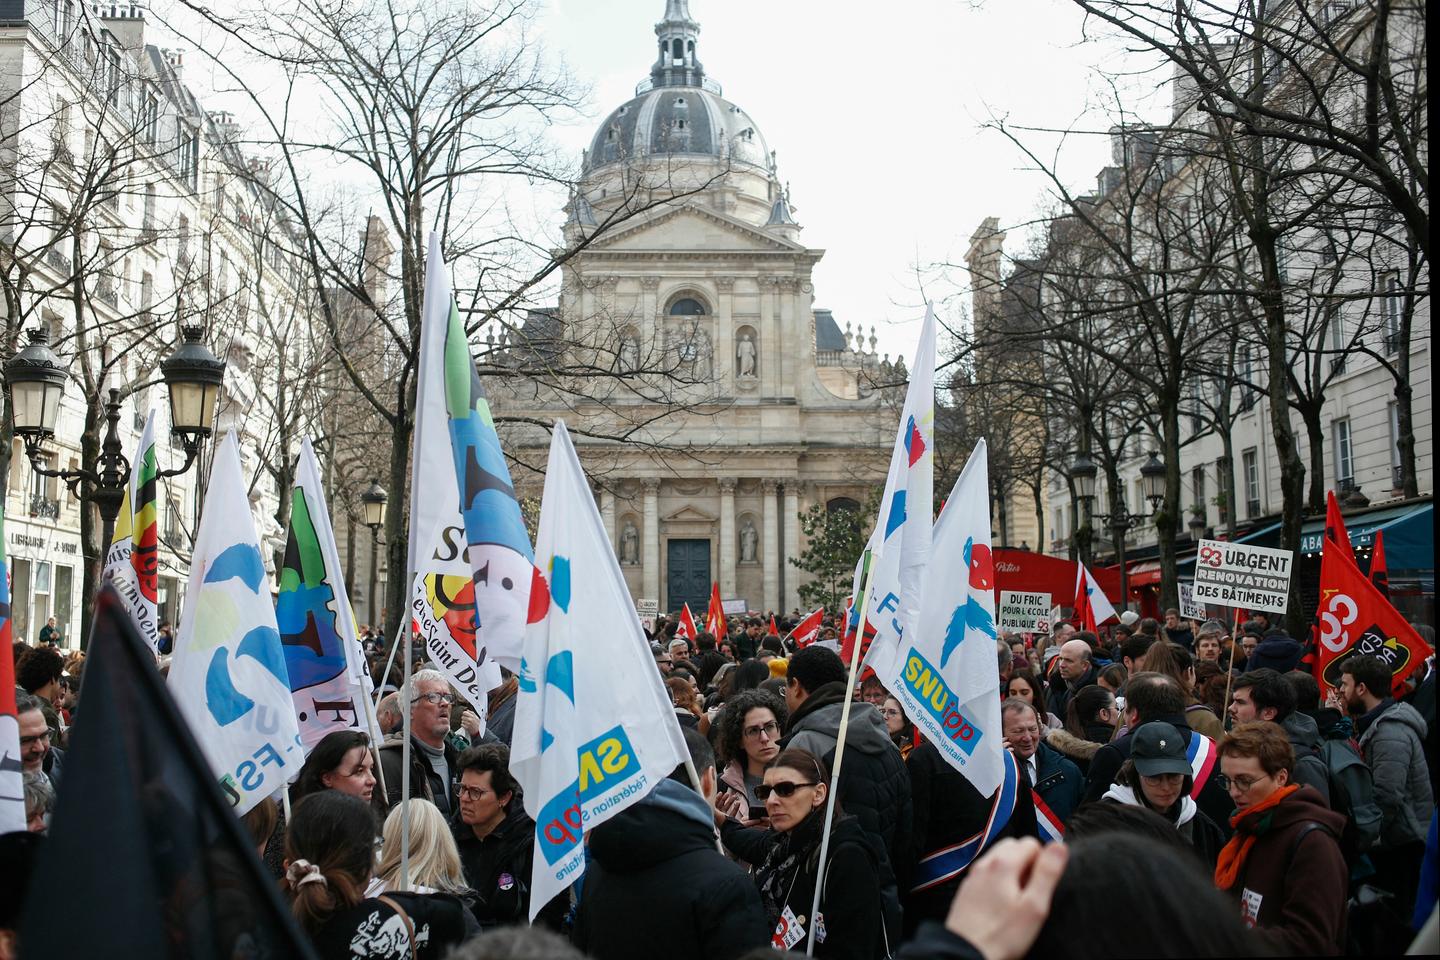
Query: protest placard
x=647, y=611
x=1243, y=576
x=1189, y=609
x=1023, y=611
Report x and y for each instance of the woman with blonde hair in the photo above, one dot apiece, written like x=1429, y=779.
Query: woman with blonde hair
x=434, y=858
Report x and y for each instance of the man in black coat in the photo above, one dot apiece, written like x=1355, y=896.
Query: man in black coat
x=1150, y=697
x=657, y=887
x=433, y=760
x=1077, y=669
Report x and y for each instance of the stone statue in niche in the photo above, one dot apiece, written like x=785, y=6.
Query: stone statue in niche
x=745, y=356
x=749, y=541
x=629, y=353
x=629, y=544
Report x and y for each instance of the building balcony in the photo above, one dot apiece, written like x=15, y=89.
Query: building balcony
x=43, y=507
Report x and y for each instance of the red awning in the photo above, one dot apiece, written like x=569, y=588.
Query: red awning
x=1037, y=572
x=1143, y=574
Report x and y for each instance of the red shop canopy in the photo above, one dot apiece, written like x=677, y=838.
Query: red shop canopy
x=1027, y=570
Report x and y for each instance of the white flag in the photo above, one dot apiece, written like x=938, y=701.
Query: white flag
x=900, y=544
x=228, y=672
x=946, y=676
x=323, y=657
x=470, y=553
x=594, y=727
x=132, y=556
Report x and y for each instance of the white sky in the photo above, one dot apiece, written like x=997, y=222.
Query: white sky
x=876, y=112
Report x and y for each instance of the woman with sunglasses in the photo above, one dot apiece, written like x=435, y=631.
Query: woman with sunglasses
x=852, y=918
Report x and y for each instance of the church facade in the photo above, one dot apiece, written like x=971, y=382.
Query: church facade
x=709, y=399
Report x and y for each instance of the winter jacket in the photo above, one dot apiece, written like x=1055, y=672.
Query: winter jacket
x=54, y=766
x=1196, y=829
x=497, y=868
x=1213, y=800
x=1061, y=690
x=501, y=721
x=874, y=785
x=853, y=900
x=1279, y=652
x=934, y=942
x=1310, y=767
x=1058, y=782
x=1293, y=888
x=424, y=782
x=1392, y=743
x=657, y=887
x=1203, y=720
x=948, y=810
x=1077, y=750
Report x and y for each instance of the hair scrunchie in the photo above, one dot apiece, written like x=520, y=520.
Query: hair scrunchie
x=301, y=872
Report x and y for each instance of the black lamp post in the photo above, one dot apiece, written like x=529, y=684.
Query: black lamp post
x=37, y=380
x=1120, y=519
x=374, y=499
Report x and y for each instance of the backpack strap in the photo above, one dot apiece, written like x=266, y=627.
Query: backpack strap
x=1306, y=828
x=404, y=917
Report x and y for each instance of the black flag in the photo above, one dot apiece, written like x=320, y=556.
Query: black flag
x=145, y=857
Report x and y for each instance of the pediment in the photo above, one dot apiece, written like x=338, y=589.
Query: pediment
x=690, y=227
x=689, y=514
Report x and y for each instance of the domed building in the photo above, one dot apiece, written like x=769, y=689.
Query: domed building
x=709, y=399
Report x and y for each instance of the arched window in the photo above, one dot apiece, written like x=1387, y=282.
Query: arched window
x=687, y=307
x=841, y=503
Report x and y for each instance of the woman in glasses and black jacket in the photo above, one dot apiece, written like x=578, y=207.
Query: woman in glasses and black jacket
x=858, y=918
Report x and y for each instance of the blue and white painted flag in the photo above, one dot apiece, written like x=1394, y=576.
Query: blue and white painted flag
x=945, y=675
x=228, y=672
x=595, y=730
x=900, y=544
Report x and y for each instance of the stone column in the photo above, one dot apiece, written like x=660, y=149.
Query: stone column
x=607, y=514
x=791, y=524
x=725, y=335
x=650, y=549
x=650, y=330
x=788, y=336
x=770, y=545
x=727, y=537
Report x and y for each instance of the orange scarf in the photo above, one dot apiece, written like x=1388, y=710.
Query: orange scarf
x=1249, y=824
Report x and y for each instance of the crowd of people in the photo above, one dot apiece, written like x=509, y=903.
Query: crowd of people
x=1195, y=787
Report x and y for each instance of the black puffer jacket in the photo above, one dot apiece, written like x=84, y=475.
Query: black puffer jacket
x=498, y=869
x=657, y=887
x=874, y=785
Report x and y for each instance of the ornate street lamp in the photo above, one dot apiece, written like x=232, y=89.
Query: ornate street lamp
x=1120, y=519
x=37, y=380
x=373, y=500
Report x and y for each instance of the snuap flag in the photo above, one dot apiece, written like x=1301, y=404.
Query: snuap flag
x=12, y=781
x=594, y=728
x=945, y=674
x=323, y=658
x=900, y=544
x=132, y=558
x=228, y=672
x=470, y=554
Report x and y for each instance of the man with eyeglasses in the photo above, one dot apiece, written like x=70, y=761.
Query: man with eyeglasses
x=37, y=754
x=432, y=758
x=1284, y=864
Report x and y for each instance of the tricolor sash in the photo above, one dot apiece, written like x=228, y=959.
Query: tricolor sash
x=1201, y=754
x=948, y=863
x=1052, y=830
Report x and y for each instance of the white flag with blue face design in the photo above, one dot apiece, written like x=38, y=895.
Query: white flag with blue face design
x=228, y=672
x=594, y=727
x=900, y=544
x=945, y=674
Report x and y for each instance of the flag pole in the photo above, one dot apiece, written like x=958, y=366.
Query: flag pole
x=854, y=668
x=405, y=711
x=389, y=662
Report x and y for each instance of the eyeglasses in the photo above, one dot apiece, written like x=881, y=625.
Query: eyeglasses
x=37, y=738
x=470, y=793
x=784, y=790
x=769, y=729
x=892, y=712
x=1240, y=784
x=435, y=698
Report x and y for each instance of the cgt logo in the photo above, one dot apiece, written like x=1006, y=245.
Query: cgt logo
x=604, y=764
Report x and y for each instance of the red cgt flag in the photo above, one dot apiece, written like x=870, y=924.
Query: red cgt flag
x=1379, y=572
x=685, y=630
x=774, y=630
x=1335, y=531
x=808, y=629
x=715, y=616
x=1355, y=619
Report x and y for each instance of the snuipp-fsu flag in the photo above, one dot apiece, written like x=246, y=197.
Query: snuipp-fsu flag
x=470, y=554
x=228, y=673
x=945, y=673
x=900, y=544
x=323, y=658
x=132, y=557
x=594, y=728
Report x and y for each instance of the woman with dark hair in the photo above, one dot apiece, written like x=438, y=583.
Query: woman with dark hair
x=340, y=761
x=1026, y=686
x=1176, y=662
x=900, y=727
x=750, y=675
x=749, y=738
x=1089, y=723
x=1158, y=777
x=329, y=859
x=1113, y=677
x=856, y=917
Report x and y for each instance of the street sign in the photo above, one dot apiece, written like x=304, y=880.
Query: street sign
x=1189, y=609
x=734, y=605
x=1243, y=576
x=1023, y=611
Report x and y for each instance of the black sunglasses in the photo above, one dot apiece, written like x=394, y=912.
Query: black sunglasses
x=784, y=790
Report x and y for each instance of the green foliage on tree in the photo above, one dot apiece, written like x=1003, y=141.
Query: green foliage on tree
x=836, y=540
